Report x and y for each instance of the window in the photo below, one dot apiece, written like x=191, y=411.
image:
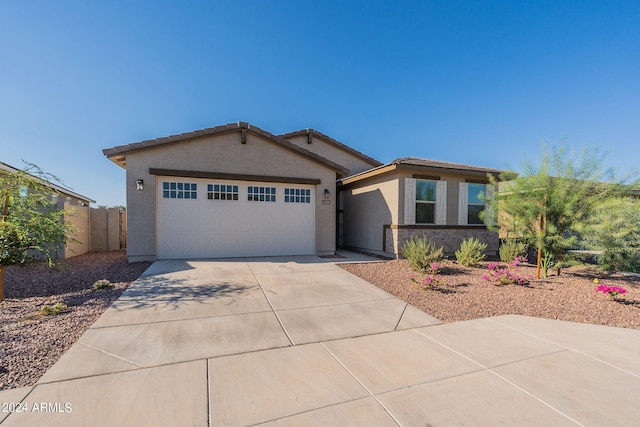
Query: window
x=179, y=190
x=262, y=194
x=475, y=204
x=425, y=201
x=222, y=192
x=297, y=195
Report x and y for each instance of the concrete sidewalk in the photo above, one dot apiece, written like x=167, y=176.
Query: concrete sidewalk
x=299, y=341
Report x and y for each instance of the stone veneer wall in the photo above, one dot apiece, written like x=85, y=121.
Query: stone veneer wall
x=446, y=236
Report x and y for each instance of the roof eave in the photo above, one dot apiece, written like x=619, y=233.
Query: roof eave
x=449, y=167
x=368, y=174
x=411, y=162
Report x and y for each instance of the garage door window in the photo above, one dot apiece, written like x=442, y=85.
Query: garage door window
x=179, y=190
x=262, y=194
x=297, y=195
x=222, y=192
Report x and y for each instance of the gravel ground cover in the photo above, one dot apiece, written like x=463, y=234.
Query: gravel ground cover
x=466, y=295
x=30, y=343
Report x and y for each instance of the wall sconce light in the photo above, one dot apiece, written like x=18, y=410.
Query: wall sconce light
x=327, y=193
x=139, y=184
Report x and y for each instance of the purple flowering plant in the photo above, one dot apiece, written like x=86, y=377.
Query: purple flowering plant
x=430, y=277
x=499, y=274
x=612, y=291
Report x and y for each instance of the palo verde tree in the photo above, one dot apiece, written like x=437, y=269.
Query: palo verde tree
x=549, y=202
x=615, y=230
x=30, y=223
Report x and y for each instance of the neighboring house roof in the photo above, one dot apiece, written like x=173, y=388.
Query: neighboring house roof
x=118, y=154
x=331, y=141
x=415, y=162
x=55, y=187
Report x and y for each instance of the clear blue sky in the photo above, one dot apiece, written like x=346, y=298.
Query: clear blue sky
x=478, y=82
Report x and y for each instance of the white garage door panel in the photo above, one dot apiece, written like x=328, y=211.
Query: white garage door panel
x=203, y=228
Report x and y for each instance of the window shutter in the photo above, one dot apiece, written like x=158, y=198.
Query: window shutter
x=409, y=201
x=463, y=204
x=441, y=202
x=490, y=217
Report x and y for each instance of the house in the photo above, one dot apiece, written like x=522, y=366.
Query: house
x=65, y=199
x=384, y=206
x=233, y=190
x=237, y=190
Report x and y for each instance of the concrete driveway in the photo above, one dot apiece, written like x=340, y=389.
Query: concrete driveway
x=299, y=341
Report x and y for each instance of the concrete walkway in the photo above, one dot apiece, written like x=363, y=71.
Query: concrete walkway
x=298, y=341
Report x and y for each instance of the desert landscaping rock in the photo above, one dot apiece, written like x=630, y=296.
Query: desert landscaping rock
x=570, y=296
x=31, y=343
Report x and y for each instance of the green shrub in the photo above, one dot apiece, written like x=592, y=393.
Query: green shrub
x=58, y=308
x=421, y=252
x=619, y=260
x=471, y=252
x=101, y=284
x=570, y=260
x=614, y=229
x=510, y=249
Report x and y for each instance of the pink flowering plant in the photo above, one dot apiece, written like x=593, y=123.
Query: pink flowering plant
x=507, y=274
x=612, y=291
x=430, y=277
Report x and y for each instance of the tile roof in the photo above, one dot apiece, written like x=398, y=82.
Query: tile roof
x=118, y=153
x=416, y=161
x=55, y=187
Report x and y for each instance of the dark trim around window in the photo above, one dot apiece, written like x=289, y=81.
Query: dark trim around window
x=427, y=177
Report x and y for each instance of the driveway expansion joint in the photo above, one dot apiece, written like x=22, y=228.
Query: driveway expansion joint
x=316, y=409
x=353, y=375
x=178, y=320
x=490, y=370
x=343, y=304
x=271, y=305
x=574, y=350
x=401, y=315
x=112, y=355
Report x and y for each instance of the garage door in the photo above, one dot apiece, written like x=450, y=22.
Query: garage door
x=201, y=218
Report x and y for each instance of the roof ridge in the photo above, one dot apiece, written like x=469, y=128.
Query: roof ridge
x=334, y=142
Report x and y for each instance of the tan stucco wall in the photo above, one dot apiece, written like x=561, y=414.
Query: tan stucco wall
x=331, y=152
x=368, y=207
x=99, y=229
x=106, y=229
x=80, y=217
x=373, y=203
x=223, y=154
x=453, y=189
